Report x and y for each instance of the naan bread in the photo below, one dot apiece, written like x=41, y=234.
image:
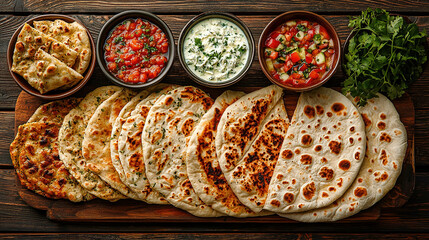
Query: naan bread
x=386, y=148
x=46, y=73
x=35, y=155
x=96, y=141
x=70, y=143
x=248, y=141
x=130, y=150
x=63, y=53
x=169, y=125
x=204, y=171
x=321, y=155
x=71, y=34
x=54, y=111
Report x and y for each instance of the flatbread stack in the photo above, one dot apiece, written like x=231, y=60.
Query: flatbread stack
x=236, y=156
x=34, y=153
x=55, y=60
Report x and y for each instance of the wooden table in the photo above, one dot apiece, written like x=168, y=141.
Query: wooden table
x=19, y=220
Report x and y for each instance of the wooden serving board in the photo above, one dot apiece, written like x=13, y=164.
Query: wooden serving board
x=135, y=211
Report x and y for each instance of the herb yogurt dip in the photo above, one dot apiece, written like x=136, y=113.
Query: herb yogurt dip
x=216, y=49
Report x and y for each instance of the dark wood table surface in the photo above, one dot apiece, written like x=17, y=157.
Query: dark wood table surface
x=19, y=220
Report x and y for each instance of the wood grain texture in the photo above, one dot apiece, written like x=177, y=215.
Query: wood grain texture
x=215, y=236
x=221, y=5
x=16, y=216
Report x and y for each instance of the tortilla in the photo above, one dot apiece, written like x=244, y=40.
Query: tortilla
x=203, y=169
x=70, y=143
x=54, y=111
x=71, y=34
x=130, y=150
x=35, y=155
x=168, y=127
x=386, y=149
x=46, y=73
x=321, y=155
x=96, y=141
x=248, y=141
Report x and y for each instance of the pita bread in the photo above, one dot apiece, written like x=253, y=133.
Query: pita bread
x=54, y=111
x=248, y=141
x=71, y=34
x=35, y=155
x=387, y=145
x=96, y=141
x=321, y=155
x=203, y=169
x=130, y=148
x=168, y=127
x=70, y=143
x=46, y=73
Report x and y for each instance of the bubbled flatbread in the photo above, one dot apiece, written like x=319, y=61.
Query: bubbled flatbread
x=130, y=150
x=386, y=148
x=35, y=155
x=71, y=34
x=248, y=140
x=321, y=155
x=54, y=111
x=70, y=143
x=169, y=125
x=46, y=73
x=28, y=42
x=96, y=141
x=204, y=171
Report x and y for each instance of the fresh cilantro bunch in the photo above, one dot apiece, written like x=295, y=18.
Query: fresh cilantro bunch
x=386, y=55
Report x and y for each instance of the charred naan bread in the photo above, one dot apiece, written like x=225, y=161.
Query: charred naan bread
x=386, y=148
x=248, y=141
x=168, y=127
x=321, y=155
x=54, y=111
x=28, y=42
x=35, y=155
x=130, y=150
x=96, y=141
x=70, y=143
x=71, y=34
x=204, y=171
x=46, y=73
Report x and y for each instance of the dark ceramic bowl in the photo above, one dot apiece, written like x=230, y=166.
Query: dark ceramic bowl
x=228, y=17
x=304, y=15
x=55, y=94
x=105, y=33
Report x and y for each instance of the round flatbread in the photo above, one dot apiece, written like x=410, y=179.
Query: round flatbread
x=130, y=150
x=203, y=169
x=96, y=141
x=386, y=149
x=70, y=143
x=248, y=141
x=321, y=155
x=35, y=155
x=54, y=111
x=169, y=125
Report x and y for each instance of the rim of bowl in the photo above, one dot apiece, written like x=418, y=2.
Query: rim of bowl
x=112, y=23
x=296, y=15
x=230, y=17
x=24, y=85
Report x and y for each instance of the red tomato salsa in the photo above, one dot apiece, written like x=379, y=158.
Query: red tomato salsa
x=136, y=51
x=298, y=53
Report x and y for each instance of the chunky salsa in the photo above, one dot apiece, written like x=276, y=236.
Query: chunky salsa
x=136, y=51
x=298, y=53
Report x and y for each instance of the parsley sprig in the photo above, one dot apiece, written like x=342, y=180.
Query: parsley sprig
x=386, y=55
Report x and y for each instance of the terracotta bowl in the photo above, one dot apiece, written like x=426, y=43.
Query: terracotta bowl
x=55, y=94
x=303, y=15
x=105, y=33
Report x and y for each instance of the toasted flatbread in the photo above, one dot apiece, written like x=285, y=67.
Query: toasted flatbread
x=54, y=111
x=168, y=127
x=321, y=155
x=248, y=141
